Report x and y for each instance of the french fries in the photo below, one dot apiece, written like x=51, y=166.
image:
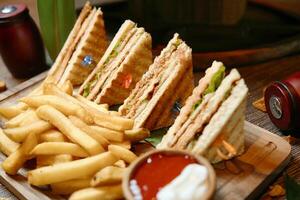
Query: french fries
x=122, y=153
x=91, y=104
x=45, y=160
x=120, y=163
x=30, y=118
x=53, y=148
x=68, y=187
x=91, y=132
x=71, y=170
x=64, y=106
x=7, y=146
x=19, y=134
x=125, y=144
x=81, y=148
x=111, y=135
x=136, y=135
x=113, y=122
x=103, y=193
x=17, y=120
x=51, y=89
x=108, y=176
x=52, y=135
x=60, y=121
x=14, y=161
x=12, y=111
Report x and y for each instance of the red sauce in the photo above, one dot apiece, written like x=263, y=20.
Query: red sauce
x=159, y=170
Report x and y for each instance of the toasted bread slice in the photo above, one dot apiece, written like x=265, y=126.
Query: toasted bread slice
x=202, y=115
x=90, y=87
x=126, y=59
x=131, y=69
x=93, y=44
x=155, y=90
x=67, y=50
x=144, y=88
x=188, y=109
x=227, y=124
x=183, y=90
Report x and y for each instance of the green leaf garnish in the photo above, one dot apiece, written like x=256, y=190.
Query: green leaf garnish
x=156, y=136
x=292, y=188
x=86, y=90
x=197, y=104
x=215, y=82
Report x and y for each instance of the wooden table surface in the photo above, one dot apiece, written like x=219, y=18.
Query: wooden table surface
x=257, y=77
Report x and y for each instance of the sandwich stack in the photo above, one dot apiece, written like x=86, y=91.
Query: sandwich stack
x=87, y=40
x=211, y=122
x=121, y=67
x=168, y=80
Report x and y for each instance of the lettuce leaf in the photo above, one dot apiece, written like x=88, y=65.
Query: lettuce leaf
x=156, y=136
x=215, y=82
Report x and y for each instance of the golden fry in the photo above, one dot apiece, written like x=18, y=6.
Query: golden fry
x=17, y=120
x=67, y=128
x=7, y=146
x=120, y=163
x=64, y=106
x=53, y=148
x=122, y=153
x=113, y=122
x=108, y=176
x=52, y=89
x=103, y=193
x=125, y=144
x=52, y=135
x=45, y=160
x=71, y=170
x=15, y=161
x=87, y=129
x=111, y=135
x=68, y=187
x=136, y=135
x=20, y=133
x=91, y=104
x=29, y=119
x=9, y=112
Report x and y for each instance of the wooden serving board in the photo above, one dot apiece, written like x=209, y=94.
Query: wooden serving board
x=244, y=177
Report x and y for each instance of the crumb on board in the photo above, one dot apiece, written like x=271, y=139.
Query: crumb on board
x=2, y=86
x=276, y=191
x=260, y=104
x=290, y=139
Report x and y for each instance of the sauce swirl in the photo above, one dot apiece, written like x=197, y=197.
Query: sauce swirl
x=157, y=171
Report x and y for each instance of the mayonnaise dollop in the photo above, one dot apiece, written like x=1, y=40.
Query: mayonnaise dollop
x=191, y=184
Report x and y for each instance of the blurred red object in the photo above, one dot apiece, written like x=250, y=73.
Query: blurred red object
x=21, y=45
x=282, y=99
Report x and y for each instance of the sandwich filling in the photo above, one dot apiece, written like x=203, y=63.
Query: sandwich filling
x=106, y=66
x=150, y=83
x=118, y=61
x=207, y=105
x=213, y=85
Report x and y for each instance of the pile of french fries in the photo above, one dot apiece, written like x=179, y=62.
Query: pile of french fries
x=81, y=148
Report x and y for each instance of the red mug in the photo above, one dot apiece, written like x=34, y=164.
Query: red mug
x=21, y=45
x=282, y=100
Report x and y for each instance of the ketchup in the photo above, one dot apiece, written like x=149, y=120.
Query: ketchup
x=157, y=171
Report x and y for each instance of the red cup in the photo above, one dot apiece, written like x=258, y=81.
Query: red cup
x=21, y=45
x=282, y=100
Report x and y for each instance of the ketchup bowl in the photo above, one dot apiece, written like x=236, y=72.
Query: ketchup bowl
x=168, y=173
